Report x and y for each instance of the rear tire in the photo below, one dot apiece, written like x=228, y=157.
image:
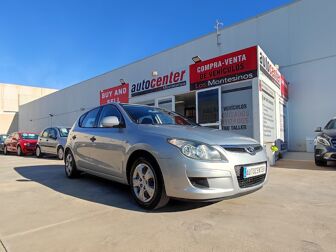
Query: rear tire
x=70, y=166
x=60, y=153
x=19, y=151
x=147, y=185
x=38, y=152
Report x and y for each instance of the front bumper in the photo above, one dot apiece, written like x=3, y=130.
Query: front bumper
x=202, y=180
x=327, y=153
x=29, y=149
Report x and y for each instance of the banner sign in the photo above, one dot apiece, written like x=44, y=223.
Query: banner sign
x=233, y=67
x=268, y=115
x=237, y=113
x=172, y=80
x=284, y=88
x=266, y=66
x=115, y=94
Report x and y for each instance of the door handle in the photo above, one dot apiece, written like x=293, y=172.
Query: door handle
x=74, y=137
x=93, y=139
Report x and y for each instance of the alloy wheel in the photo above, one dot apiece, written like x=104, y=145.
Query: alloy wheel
x=60, y=153
x=38, y=151
x=144, y=185
x=69, y=164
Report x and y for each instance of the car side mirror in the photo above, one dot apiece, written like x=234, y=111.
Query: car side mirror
x=318, y=129
x=110, y=121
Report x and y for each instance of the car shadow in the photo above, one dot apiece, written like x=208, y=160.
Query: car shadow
x=94, y=189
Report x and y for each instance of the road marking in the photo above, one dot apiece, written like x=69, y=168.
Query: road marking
x=54, y=224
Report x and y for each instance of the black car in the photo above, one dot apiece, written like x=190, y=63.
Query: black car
x=325, y=143
x=2, y=140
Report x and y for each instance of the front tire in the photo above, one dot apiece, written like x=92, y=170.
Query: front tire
x=70, y=166
x=146, y=183
x=38, y=152
x=5, y=152
x=320, y=162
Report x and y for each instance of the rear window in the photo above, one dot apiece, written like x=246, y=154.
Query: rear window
x=64, y=132
x=29, y=136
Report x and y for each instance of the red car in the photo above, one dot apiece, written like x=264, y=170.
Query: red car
x=21, y=142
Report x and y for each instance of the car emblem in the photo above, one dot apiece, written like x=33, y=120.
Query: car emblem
x=250, y=150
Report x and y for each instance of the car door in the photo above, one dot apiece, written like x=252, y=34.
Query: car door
x=43, y=141
x=52, y=141
x=82, y=144
x=108, y=150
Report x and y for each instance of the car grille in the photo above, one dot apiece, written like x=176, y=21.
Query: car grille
x=248, y=182
x=242, y=148
x=333, y=142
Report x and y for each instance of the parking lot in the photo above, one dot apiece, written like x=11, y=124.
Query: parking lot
x=42, y=210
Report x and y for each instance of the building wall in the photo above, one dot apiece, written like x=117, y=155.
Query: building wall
x=11, y=97
x=299, y=37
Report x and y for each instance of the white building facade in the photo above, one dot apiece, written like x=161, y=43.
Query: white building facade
x=235, y=86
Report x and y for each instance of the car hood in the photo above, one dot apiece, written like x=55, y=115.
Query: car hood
x=200, y=134
x=330, y=133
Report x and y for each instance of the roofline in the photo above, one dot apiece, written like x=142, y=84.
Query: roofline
x=23, y=85
x=188, y=41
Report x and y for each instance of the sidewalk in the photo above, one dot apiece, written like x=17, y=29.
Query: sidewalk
x=298, y=156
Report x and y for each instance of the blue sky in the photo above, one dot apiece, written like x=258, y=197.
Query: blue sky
x=60, y=43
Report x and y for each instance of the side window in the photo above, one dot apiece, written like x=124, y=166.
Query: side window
x=90, y=118
x=52, y=133
x=45, y=133
x=81, y=119
x=110, y=110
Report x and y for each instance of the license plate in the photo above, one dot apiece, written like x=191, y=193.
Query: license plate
x=254, y=170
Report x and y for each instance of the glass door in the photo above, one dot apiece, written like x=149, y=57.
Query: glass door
x=167, y=103
x=208, y=105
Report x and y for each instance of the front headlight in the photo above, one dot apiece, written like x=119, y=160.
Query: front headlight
x=196, y=150
x=322, y=140
x=26, y=144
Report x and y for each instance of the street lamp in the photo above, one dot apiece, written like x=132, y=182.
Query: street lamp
x=51, y=116
x=196, y=59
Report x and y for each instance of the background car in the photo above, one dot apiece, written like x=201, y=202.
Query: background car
x=2, y=141
x=325, y=144
x=52, y=141
x=161, y=154
x=21, y=142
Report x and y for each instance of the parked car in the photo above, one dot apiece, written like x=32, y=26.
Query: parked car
x=21, y=143
x=161, y=154
x=52, y=141
x=325, y=143
x=2, y=141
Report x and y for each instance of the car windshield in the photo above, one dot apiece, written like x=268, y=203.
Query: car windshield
x=3, y=138
x=64, y=132
x=29, y=136
x=152, y=115
x=331, y=125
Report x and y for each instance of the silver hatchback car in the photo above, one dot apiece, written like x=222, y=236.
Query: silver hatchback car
x=162, y=155
x=52, y=141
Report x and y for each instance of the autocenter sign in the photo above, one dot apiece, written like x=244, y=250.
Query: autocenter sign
x=115, y=94
x=159, y=83
x=236, y=66
x=268, y=68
